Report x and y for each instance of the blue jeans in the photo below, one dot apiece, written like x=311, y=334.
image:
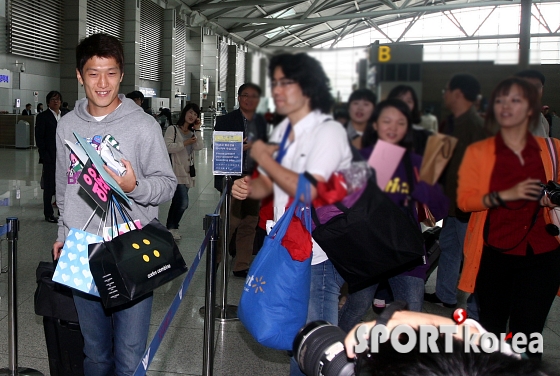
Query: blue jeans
x=451, y=242
x=114, y=341
x=323, y=301
x=406, y=288
x=179, y=204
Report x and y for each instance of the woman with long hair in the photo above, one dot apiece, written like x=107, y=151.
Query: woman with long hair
x=182, y=141
x=512, y=255
x=392, y=123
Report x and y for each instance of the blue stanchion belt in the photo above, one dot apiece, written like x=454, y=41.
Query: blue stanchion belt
x=3, y=230
x=151, y=350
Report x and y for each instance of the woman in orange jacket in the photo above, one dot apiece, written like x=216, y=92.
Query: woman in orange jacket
x=512, y=254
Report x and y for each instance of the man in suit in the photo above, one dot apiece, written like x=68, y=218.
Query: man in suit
x=244, y=214
x=27, y=110
x=45, y=137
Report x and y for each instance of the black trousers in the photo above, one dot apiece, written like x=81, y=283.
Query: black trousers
x=520, y=289
x=48, y=189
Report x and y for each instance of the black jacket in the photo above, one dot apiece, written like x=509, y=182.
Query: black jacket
x=233, y=122
x=45, y=137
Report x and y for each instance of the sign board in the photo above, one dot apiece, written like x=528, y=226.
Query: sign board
x=395, y=54
x=36, y=96
x=148, y=91
x=228, y=153
x=5, y=78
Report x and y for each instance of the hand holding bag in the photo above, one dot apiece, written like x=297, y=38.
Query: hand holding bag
x=135, y=263
x=72, y=268
x=275, y=296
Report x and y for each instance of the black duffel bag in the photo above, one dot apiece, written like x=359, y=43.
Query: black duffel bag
x=53, y=299
x=369, y=241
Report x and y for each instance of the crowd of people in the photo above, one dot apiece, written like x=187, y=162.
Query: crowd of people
x=497, y=219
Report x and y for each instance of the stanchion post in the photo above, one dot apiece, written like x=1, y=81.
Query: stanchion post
x=227, y=312
x=211, y=223
x=12, y=236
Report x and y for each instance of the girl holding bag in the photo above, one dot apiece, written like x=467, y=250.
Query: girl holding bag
x=392, y=123
x=512, y=255
x=182, y=141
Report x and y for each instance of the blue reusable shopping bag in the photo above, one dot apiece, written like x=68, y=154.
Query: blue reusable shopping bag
x=275, y=296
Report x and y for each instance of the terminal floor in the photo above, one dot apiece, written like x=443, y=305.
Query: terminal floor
x=236, y=353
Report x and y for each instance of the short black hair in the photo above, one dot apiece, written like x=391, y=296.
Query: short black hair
x=363, y=94
x=135, y=94
x=531, y=73
x=467, y=84
x=399, y=90
x=53, y=93
x=249, y=85
x=100, y=45
x=370, y=136
x=28, y=105
x=310, y=76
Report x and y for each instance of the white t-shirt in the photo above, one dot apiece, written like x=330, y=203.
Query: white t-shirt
x=320, y=147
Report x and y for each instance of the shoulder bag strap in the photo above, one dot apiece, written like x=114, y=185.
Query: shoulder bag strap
x=407, y=160
x=553, y=156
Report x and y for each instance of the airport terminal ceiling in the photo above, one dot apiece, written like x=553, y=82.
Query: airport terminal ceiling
x=280, y=24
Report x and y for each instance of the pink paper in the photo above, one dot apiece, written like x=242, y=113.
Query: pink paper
x=385, y=159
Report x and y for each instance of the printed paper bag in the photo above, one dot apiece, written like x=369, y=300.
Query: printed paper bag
x=135, y=263
x=439, y=150
x=72, y=268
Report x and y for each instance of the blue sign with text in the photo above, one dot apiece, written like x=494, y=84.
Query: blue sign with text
x=228, y=153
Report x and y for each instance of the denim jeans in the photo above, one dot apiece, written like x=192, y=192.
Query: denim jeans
x=114, y=341
x=451, y=242
x=179, y=204
x=406, y=288
x=323, y=301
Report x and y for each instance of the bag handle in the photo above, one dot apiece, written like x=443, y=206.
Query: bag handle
x=303, y=189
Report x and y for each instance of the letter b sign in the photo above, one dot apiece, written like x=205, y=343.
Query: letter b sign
x=384, y=54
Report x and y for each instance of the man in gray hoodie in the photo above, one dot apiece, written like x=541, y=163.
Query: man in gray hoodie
x=114, y=340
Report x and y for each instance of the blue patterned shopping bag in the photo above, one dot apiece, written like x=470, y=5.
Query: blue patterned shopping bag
x=72, y=269
x=275, y=296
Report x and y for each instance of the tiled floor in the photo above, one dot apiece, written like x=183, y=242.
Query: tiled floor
x=236, y=353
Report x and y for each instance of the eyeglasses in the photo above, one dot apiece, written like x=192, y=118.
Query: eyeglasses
x=247, y=96
x=283, y=82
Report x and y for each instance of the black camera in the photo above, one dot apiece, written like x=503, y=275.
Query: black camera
x=319, y=350
x=552, y=190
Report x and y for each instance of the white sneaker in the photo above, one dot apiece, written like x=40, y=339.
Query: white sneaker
x=175, y=233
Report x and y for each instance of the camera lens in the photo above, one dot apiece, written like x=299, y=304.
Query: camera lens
x=319, y=350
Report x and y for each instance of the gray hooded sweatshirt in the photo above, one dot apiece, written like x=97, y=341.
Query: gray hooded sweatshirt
x=140, y=140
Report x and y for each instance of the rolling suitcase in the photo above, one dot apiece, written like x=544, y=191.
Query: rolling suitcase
x=64, y=339
x=65, y=347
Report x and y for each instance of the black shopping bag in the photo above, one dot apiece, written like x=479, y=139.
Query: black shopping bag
x=135, y=263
